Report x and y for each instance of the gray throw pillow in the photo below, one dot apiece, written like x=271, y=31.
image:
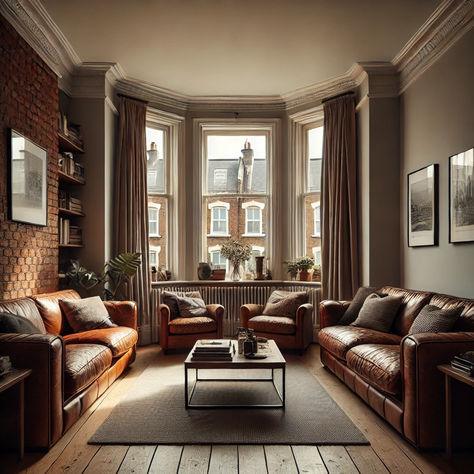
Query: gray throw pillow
x=285, y=303
x=434, y=319
x=86, y=314
x=12, y=323
x=170, y=299
x=353, y=310
x=191, y=307
x=378, y=312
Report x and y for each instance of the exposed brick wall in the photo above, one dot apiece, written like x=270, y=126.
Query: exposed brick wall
x=29, y=103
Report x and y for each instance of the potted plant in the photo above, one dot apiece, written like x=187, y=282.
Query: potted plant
x=305, y=267
x=317, y=273
x=237, y=253
x=292, y=269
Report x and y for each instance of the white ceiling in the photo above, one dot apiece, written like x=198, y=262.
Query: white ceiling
x=237, y=47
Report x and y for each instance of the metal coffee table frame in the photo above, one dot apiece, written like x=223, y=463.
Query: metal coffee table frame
x=274, y=362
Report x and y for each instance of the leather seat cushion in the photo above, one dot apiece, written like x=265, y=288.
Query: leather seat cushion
x=84, y=363
x=378, y=364
x=339, y=339
x=118, y=339
x=273, y=324
x=196, y=325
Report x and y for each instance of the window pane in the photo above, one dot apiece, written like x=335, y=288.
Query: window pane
x=315, y=155
x=155, y=150
x=312, y=209
x=218, y=261
x=157, y=222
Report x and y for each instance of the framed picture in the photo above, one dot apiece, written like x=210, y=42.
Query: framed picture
x=461, y=197
x=28, y=168
x=423, y=207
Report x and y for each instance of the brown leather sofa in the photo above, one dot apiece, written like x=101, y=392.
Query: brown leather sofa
x=70, y=370
x=396, y=374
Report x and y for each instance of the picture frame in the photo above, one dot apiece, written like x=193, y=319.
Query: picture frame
x=461, y=197
x=422, y=207
x=27, y=181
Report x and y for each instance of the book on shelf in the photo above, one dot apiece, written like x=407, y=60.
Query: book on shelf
x=465, y=358
x=213, y=356
x=467, y=369
x=208, y=349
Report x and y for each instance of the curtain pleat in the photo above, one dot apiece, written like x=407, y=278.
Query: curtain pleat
x=131, y=201
x=339, y=246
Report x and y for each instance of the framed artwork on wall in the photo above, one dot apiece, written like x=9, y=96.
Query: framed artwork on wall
x=461, y=197
x=422, y=207
x=28, y=169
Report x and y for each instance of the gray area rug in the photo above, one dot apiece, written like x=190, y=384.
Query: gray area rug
x=153, y=411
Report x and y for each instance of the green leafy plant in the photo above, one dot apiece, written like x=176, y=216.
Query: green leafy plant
x=117, y=272
x=304, y=263
x=292, y=268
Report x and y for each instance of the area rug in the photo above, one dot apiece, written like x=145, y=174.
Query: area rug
x=153, y=411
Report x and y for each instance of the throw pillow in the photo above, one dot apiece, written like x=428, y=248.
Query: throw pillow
x=353, y=310
x=191, y=307
x=171, y=300
x=434, y=319
x=86, y=314
x=12, y=323
x=285, y=303
x=378, y=312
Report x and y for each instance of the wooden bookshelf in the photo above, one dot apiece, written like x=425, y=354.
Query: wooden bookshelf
x=66, y=144
x=68, y=212
x=71, y=246
x=66, y=178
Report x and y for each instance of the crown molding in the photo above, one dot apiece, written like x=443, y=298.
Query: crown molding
x=445, y=26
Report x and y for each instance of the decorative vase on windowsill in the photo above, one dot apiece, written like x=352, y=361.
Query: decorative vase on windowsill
x=237, y=253
x=236, y=272
x=305, y=268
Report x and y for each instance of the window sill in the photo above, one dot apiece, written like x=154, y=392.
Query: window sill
x=253, y=235
x=157, y=236
x=218, y=235
x=316, y=236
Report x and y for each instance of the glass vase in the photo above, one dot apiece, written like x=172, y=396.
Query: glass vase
x=236, y=272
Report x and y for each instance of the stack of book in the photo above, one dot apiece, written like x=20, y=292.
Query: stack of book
x=74, y=204
x=75, y=235
x=69, y=234
x=464, y=362
x=207, y=349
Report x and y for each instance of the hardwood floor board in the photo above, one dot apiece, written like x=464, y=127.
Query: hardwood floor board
x=224, y=459
x=195, y=459
x=107, y=460
x=166, y=460
x=280, y=459
x=366, y=460
x=337, y=460
x=308, y=460
x=252, y=459
x=137, y=460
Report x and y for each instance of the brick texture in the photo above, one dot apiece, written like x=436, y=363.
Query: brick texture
x=29, y=103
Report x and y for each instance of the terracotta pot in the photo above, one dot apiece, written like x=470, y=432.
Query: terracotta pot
x=305, y=275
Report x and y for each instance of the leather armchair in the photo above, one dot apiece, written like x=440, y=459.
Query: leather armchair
x=182, y=333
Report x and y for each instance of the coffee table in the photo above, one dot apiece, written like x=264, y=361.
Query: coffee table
x=274, y=362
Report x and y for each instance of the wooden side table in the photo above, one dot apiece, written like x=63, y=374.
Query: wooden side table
x=16, y=377
x=451, y=373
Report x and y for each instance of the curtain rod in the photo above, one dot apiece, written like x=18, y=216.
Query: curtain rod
x=132, y=98
x=337, y=96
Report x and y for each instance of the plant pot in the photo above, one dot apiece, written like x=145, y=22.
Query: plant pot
x=305, y=275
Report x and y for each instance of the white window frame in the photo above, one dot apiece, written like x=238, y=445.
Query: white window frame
x=156, y=249
x=220, y=205
x=253, y=204
x=317, y=251
x=217, y=248
x=316, y=218
x=155, y=206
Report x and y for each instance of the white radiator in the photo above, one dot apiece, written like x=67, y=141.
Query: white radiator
x=232, y=297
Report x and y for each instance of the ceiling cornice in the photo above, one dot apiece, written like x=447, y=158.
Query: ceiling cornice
x=444, y=27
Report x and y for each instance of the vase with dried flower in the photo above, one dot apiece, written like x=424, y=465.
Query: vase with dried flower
x=237, y=253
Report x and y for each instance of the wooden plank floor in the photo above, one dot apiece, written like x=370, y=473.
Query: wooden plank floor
x=388, y=452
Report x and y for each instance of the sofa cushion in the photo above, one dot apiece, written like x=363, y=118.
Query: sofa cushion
x=285, y=303
x=339, y=339
x=25, y=307
x=378, y=312
x=272, y=324
x=170, y=299
x=356, y=304
x=466, y=320
x=192, y=325
x=377, y=364
x=86, y=314
x=119, y=339
x=190, y=307
x=12, y=323
x=434, y=319
x=83, y=364
x=48, y=306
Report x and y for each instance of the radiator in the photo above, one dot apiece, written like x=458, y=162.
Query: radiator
x=232, y=297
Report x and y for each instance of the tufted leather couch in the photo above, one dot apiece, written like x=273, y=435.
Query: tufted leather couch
x=396, y=373
x=70, y=370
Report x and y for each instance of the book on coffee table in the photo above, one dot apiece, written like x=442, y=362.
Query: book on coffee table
x=208, y=349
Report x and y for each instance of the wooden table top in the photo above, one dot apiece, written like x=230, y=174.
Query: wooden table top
x=12, y=377
x=274, y=360
x=457, y=374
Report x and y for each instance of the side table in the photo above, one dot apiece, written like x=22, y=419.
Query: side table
x=451, y=373
x=16, y=377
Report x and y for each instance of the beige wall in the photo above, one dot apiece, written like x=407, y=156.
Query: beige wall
x=437, y=120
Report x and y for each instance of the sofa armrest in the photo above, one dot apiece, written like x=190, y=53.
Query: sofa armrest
x=248, y=311
x=330, y=312
x=123, y=313
x=44, y=354
x=304, y=325
x=165, y=316
x=216, y=311
x=423, y=383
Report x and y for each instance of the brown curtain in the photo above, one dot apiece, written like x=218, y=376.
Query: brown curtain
x=339, y=247
x=131, y=201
